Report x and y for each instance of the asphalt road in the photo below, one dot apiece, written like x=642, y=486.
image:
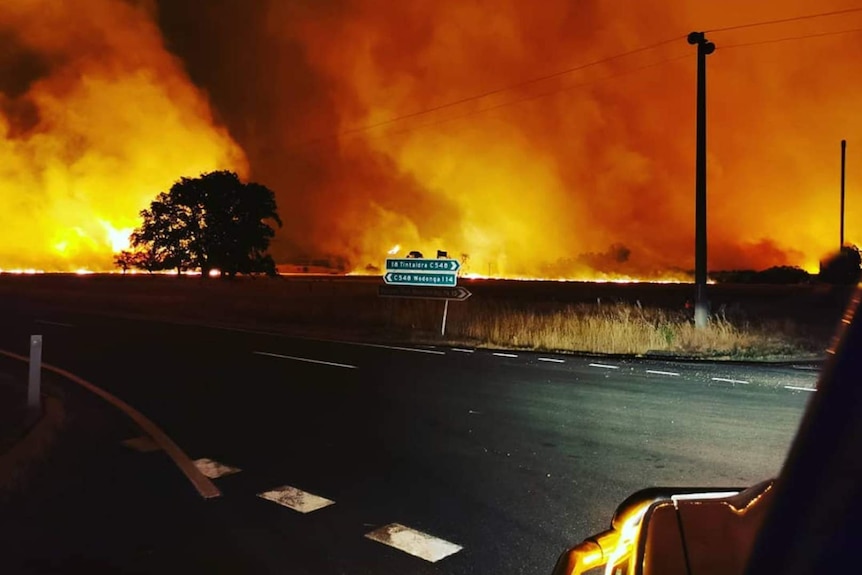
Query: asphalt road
x=511, y=457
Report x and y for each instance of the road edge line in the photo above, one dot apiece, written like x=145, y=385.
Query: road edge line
x=206, y=488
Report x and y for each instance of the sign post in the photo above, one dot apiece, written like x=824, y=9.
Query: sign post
x=421, y=278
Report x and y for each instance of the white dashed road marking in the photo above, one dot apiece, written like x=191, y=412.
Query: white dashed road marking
x=463, y=350
x=552, y=360
x=794, y=388
x=214, y=469
x=726, y=380
x=416, y=543
x=306, y=360
x=57, y=323
x=296, y=499
x=603, y=366
x=498, y=354
x=657, y=372
x=338, y=341
x=395, y=347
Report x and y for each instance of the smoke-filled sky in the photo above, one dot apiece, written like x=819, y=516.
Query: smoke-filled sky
x=105, y=103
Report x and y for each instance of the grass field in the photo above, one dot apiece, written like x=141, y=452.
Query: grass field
x=747, y=321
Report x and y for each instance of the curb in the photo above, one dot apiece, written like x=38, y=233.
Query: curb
x=813, y=361
x=34, y=445
x=205, y=487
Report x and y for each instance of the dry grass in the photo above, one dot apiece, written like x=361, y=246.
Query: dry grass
x=750, y=321
x=622, y=328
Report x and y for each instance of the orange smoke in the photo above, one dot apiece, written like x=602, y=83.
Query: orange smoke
x=588, y=174
x=598, y=177
x=96, y=118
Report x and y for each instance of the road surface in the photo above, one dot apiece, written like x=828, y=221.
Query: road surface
x=482, y=461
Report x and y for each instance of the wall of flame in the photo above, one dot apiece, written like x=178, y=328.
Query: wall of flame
x=588, y=174
x=96, y=117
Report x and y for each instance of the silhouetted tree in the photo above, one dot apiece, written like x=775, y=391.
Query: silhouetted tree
x=140, y=259
x=124, y=260
x=213, y=222
x=843, y=267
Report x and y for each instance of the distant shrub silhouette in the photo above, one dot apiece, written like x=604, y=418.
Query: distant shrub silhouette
x=137, y=259
x=782, y=275
x=842, y=267
x=773, y=275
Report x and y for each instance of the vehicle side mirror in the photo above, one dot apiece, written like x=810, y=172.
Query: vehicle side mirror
x=670, y=531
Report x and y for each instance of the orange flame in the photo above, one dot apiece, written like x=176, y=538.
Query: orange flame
x=96, y=118
x=583, y=175
x=589, y=173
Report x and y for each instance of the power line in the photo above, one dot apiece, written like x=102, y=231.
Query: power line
x=508, y=87
x=783, y=20
x=537, y=96
x=611, y=77
x=789, y=38
x=580, y=67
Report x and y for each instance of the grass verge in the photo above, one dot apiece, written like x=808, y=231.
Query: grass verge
x=26, y=441
x=750, y=322
x=622, y=328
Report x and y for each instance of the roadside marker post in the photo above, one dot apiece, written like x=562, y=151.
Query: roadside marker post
x=35, y=380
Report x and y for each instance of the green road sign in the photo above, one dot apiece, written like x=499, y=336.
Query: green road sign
x=420, y=279
x=423, y=265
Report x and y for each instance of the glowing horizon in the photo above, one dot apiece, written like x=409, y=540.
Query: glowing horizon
x=585, y=175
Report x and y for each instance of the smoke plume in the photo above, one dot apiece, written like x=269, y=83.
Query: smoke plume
x=553, y=178
x=96, y=118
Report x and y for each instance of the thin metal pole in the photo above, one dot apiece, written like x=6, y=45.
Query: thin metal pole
x=843, y=164
x=35, y=381
x=445, y=313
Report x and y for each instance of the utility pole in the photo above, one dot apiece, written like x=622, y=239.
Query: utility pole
x=843, y=163
x=704, y=48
